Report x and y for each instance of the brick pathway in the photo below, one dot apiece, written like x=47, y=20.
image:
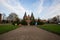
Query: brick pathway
x=29, y=33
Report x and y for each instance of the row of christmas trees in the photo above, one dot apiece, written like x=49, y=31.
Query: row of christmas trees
x=27, y=20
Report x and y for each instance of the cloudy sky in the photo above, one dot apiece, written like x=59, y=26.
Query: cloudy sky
x=43, y=9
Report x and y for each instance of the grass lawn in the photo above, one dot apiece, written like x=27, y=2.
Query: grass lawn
x=55, y=28
x=6, y=27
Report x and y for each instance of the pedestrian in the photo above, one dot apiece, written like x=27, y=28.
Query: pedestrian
x=35, y=23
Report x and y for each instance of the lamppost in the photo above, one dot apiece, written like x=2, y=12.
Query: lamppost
x=0, y=17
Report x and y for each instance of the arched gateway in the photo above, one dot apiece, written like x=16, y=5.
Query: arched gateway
x=28, y=18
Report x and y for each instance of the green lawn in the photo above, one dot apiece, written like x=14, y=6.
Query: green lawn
x=6, y=27
x=55, y=28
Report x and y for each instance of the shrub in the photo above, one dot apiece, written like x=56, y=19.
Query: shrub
x=23, y=22
x=32, y=22
x=40, y=23
x=16, y=22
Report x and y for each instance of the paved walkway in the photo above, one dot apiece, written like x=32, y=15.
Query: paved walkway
x=29, y=33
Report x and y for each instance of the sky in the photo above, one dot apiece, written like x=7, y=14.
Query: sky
x=43, y=9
